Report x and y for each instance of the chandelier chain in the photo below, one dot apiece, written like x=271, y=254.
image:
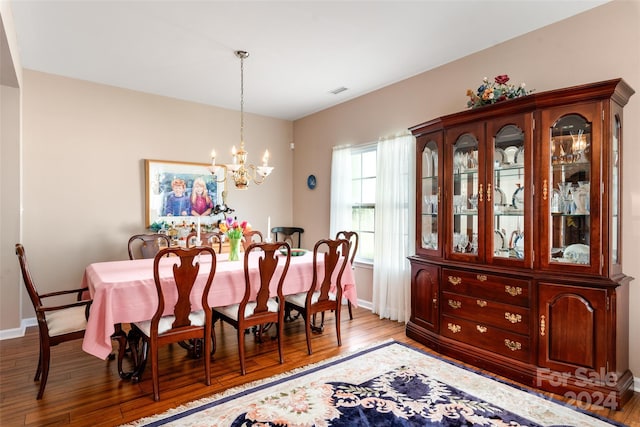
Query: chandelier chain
x=242, y=101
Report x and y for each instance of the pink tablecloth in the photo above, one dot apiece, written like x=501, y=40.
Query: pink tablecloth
x=124, y=291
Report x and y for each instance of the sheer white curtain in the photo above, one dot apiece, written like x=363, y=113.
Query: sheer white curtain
x=394, y=225
x=341, y=198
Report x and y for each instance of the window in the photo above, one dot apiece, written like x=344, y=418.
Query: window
x=363, y=191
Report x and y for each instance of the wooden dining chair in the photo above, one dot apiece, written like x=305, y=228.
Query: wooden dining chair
x=184, y=323
x=56, y=323
x=259, y=305
x=322, y=295
x=250, y=237
x=288, y=234
x=209, y=238
x=353, y=239
x=147, y=245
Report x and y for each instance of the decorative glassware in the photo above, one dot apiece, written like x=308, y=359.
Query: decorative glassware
x=565, y=192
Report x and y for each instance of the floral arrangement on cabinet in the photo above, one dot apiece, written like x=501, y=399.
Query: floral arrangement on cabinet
x=496, y=91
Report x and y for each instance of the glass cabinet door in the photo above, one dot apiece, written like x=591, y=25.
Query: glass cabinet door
x=507, y=192
x=615, y=244
x=429, y=187
x=571, y=189
x=466, y=198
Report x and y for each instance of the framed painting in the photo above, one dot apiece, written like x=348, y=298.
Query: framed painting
x=179, y=191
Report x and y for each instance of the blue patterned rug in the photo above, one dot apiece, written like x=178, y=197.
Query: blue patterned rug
x=391, y=384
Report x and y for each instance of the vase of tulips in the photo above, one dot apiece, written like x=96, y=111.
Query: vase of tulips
x=234, y=230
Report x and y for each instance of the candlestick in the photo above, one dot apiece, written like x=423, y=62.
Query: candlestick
x=198, y=241
x=269, y=229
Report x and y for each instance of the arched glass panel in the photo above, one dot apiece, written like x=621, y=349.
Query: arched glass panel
x=615, y=194
x=570, y=190
x=430, y=196
x=508, y=193
x=465, y=195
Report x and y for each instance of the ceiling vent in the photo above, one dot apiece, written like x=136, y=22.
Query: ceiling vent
x=338, y=90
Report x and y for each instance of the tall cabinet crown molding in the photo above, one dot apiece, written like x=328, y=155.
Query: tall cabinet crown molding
x=518, y=263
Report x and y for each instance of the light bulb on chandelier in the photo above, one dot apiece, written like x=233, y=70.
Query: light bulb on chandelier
x=241, y=173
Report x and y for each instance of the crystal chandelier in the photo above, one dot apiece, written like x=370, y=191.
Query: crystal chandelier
x=241, y=173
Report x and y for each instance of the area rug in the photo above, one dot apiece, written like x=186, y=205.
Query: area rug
x=389, y=384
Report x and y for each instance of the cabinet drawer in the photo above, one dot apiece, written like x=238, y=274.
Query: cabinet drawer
x=510, y=317
x=487, y=286
x=487, y=337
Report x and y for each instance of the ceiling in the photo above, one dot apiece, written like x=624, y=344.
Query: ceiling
x=300, y=51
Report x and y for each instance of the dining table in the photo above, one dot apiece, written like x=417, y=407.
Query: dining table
x=125, y=291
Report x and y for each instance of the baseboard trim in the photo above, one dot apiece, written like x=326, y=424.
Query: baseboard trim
x=7, y=334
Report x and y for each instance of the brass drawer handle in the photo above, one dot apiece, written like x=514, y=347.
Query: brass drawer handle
x=481, y=277
x=481, y=329
x=455, y=281
x=455, y=304
x=454, y=328
x=489, y=193
x=512, y=317
x=481, y=303
x=513, y=290
x=480, y=194
x=545, y=190
x=543, y=325
x=512, y=345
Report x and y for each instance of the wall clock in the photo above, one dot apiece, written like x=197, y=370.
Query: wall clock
x=311, y=182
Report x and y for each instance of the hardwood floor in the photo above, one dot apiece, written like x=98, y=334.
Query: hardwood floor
x=85, y=391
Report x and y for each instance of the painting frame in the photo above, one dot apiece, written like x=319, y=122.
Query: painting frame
x=160, y=178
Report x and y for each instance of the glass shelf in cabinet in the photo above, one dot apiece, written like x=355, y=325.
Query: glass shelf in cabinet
x=465, y=172
x=510, y=173
x=572, y=168
x=509, y=212
x=507, y=166
x=562, y=214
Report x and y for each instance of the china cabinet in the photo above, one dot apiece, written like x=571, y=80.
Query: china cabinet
x=518, y=264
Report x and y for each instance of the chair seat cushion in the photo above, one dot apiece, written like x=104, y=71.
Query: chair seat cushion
x=66, y=320
x=231, y=311
x=300, y=299
x=196, y=318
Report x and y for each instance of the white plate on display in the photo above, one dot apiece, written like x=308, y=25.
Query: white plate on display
x=518, y=246
x=519, y=157
x=498, y=241
x=517, y=201
x=499, y=198
x=511, y=153
x=577, y=253
x=501, y=157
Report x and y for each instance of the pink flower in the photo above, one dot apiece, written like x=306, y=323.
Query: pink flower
x=502, y=79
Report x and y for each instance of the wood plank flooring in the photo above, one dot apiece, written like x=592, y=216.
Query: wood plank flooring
x=85, y=391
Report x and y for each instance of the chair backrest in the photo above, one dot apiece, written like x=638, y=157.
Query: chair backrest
x=336, y=253
x=26, y=276
x=186, y=266
x=146, y=245
x=271, y=256
x=353, y=239
x=288, y=233
x=209, y=238
x=249, y=237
